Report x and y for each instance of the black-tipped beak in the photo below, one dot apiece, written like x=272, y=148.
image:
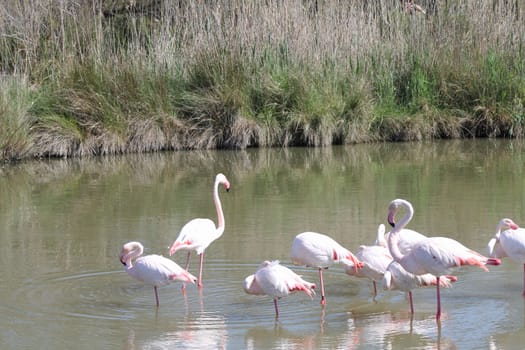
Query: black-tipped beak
x=228, y=189
x=123, y=263
x=393, y=224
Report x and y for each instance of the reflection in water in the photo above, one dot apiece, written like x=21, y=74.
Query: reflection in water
x=278, y=338
x=64, y=221
x=205, y=331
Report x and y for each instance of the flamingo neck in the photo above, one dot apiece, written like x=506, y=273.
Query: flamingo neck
x=394, y=233
x=218, y=207
x=406, y=219
x=393, y=246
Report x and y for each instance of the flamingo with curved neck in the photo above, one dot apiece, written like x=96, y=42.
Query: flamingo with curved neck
x=154, y=270
x=435, y=255
x=199, y=233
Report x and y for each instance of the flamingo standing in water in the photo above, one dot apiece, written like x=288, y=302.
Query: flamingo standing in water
x=154, y=270
x=276, y=281
x=375, y=259
x=397, y=278
x=317, y=250
x=510, y=242
x=435, y=255
x=199, y=233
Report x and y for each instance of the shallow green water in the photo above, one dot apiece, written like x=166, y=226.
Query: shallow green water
x=63, y=223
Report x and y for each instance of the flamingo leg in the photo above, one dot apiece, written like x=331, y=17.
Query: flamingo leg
x=156, y=295
x=276, y=308
x=375, y=288
x=187, y=261
x=186, y=268
x=200, y=269
x=524, y=280
x=323, y=298
x=411, y=302
x=438, y=313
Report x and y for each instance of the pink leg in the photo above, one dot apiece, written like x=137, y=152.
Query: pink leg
x=156, y=295
x=200, y=269
x=375, y=288
x=438, y=314
x=188, y=261
x=411, y=303
x=276, y=308
x=323, y=298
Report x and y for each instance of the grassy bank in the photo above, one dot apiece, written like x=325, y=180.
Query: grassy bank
x=106, y=77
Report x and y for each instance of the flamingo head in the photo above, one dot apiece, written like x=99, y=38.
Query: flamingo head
x=506, y=224
x=392, y=210
x=177, y=245
x=129, y=251
x=221, y=179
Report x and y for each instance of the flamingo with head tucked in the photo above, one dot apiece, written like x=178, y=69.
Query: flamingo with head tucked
x=435, y=255
x=277, y=281
x=199, y=233
x=375, y=259
x=510, y=242
x=317, y=250
x=154, y=270
x=397, y=278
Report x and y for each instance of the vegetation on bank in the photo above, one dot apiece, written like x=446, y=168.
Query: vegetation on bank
x=105, y=77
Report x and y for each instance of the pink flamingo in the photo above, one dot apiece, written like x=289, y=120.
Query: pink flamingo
x=510, y=242
x=154, y=270
x=198, y=234
x=375, y=259
x=435, y=255
x=317, y=250
x=397, y=278
x=276, y=281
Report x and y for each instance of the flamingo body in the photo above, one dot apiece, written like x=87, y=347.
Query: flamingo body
x=277, y=281
x=154, y=270
x=510, y=242
x=435, y=255
x=314, y=249
x=199, y=233
x=375, y=259
x=397, y=278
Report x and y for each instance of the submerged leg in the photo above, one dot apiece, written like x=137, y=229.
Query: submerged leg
x=323, y=298
x=411, y=303
x=200, y=269
x=438, y=313
x=276, y=308
x=156, y=295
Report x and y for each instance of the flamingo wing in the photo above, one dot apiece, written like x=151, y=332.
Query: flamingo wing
x=197, y=234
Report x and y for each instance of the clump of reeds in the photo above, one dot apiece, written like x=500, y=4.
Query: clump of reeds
x=139, y=76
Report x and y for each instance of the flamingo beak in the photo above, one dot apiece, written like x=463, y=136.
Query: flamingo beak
x=123, y=262
x=391, y=220
x=176, y=246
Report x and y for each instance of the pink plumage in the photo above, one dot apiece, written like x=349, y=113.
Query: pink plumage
x=276, y=281
x=509, y=240
x=435, y=255
x=153, y=270
x=199, y=233
x=317, y=250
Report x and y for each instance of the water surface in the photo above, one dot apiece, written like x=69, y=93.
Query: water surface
x=64, y=222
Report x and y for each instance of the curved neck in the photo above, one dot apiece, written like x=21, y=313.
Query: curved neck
x=218, y=207
x=406, y=219
x=131, y=251
x=393, y=247
x=394, y=233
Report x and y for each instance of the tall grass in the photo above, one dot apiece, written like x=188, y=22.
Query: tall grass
x=105, y=77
